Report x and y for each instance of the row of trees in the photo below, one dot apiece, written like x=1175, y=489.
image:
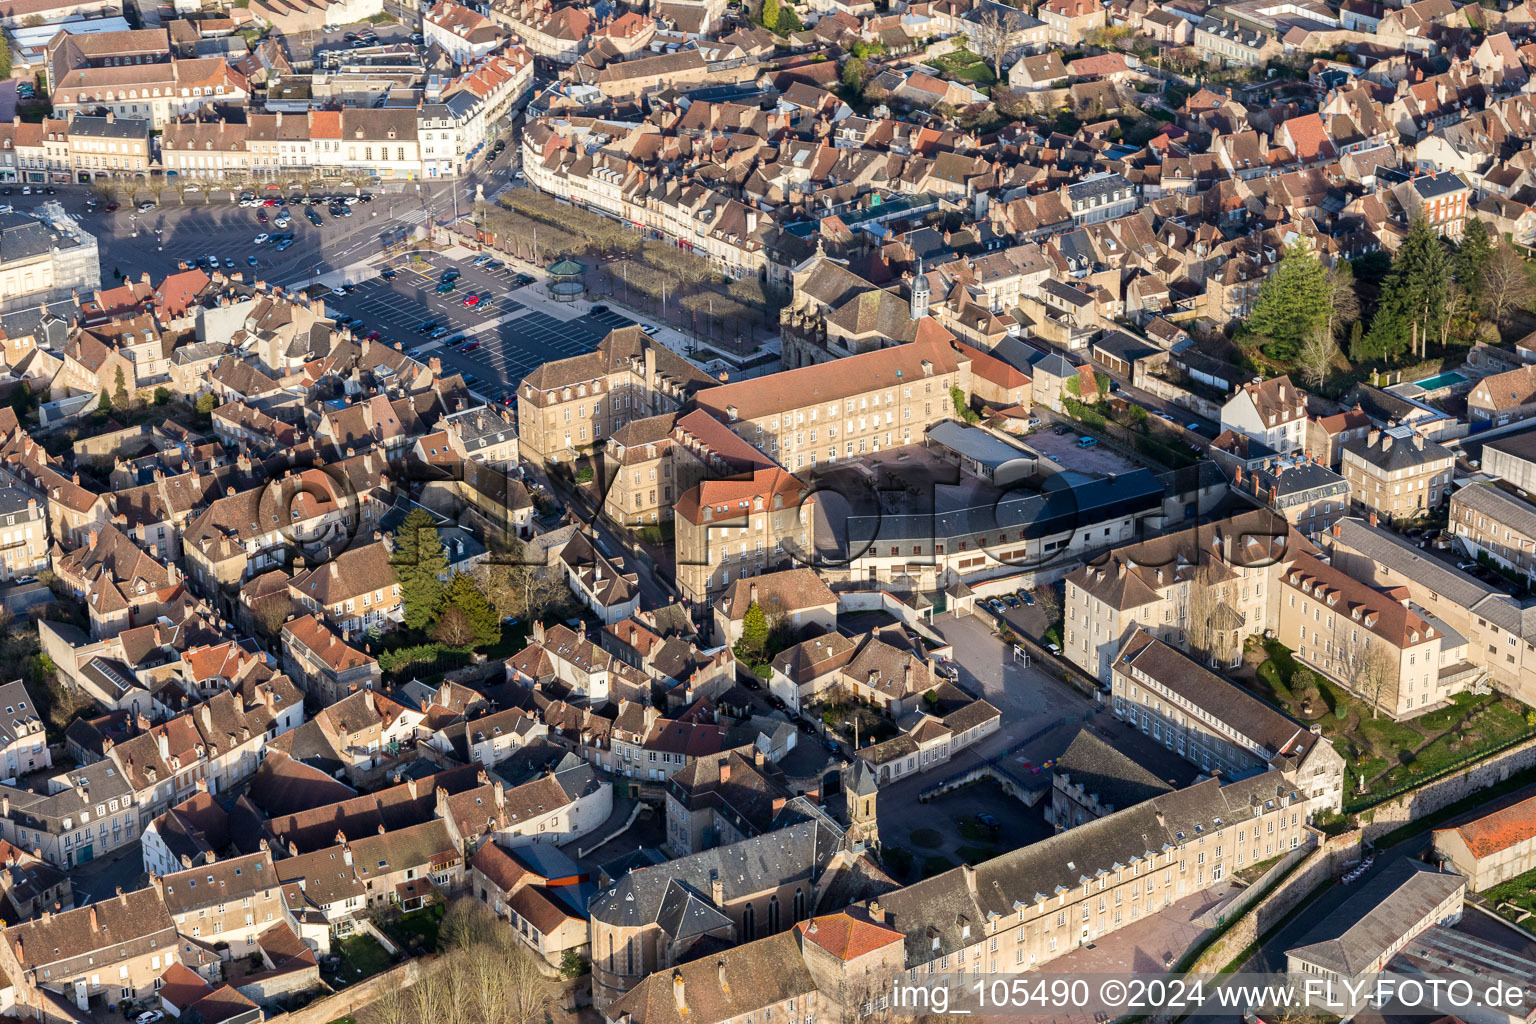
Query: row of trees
x=484, y=975
x=1430, y=293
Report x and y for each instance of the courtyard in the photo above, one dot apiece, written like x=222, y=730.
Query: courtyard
x=1384, y=757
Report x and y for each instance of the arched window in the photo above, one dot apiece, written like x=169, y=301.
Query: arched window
x=773, y=915
x=749, y=923
x=612, y=965
x=629, y=953
x=799, y=904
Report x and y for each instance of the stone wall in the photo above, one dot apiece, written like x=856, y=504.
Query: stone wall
x=101, y=448
x=1327, y=859
x=1441, y=793
x=352, y=999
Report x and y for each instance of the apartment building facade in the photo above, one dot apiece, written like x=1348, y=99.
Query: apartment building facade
x=848, y=407
x=1223, y=574
x=24, y=537
x=730, y=529
x=1493, y=523
x=1272, y=411
x=573, y=405
x=1217, y=725
x=1396, y=473
x=1380, y=648
x=1027, y=907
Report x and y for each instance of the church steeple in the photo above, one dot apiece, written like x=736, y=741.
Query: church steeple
x=919, y=292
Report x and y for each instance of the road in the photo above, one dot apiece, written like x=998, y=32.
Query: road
x=1270, y=957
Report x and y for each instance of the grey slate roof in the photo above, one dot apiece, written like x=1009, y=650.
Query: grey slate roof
x=803, y=850
x=1365, y=926
x=1252, y=719
x=1405, y=559
x=23, y=237
x=940, y=907
x=1396, y=449
x=1499, y=505
x=1105, y=773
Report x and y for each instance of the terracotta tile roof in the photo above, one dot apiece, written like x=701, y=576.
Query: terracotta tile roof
x=326, y=645
x=733, y=498
x=829, y=382
x=1378, y=612
x=845, y=936
x=1500, y=830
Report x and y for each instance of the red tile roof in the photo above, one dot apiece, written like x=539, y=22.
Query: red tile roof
x=847, y=937
x=1500, y=830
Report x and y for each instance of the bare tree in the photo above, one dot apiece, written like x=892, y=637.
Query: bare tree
x=1343, y=300
x=520, y=590
x=454, y=628
x=1204, y=598
x=1506, y=287
x=459, y=999
x=467, y=923
x=1315, y=358
x=486, y=980
x=527, y=991
x=991, y=37
x=428, y=997
x=392, y=1007
x=271, y=612
x=1367, y=670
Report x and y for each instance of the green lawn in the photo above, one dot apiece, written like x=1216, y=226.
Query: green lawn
x=361, y=957
x=1392, y=756
x=419, y=927
x=1520, y=890
x=964, y=65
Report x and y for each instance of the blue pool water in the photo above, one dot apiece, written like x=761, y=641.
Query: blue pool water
x=1442, y=380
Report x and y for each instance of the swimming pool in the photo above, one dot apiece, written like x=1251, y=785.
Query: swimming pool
x=1442, y=380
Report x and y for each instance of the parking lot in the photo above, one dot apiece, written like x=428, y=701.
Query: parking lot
x=508, y=338
x=202, y=225
x=1098, y=459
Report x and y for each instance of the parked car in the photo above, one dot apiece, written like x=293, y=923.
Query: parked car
x=1026, y=597
x=451, y=274
x=262, y=238
x=997, y=606
x=989, y=821
x=455, y=341
x=471, y=300
x=1087, y=442
x=1010, y=601
x=389, y=274
x=445, y=288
